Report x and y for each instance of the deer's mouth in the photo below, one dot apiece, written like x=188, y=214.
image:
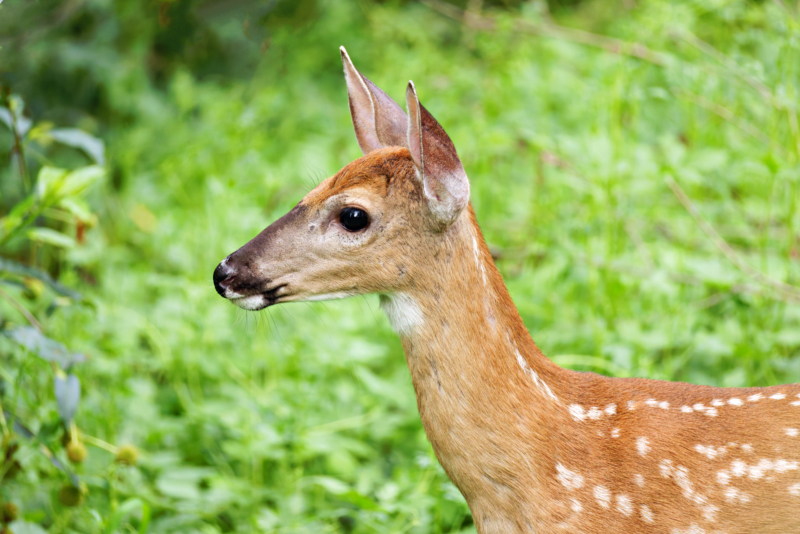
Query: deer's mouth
x=261, y=300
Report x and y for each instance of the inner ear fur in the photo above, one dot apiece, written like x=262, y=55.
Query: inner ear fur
x=377, y=119
x=437, y=163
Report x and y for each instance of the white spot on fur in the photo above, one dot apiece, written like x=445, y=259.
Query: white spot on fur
x=735, y=495
x=615, y=433
x=651, y=402
x=680, y=475
x=755, y=398
x=710, y=512
x=639, y=479
x=664, y=405
x=642, y=445
x=533, y=375
x=624, y=505
x=577, y=412
x=717, y=403
x=735, y=402
x=611, y=409
x=709, y=411
x=738, y=468
x=478, y=262
x=403, y=313
x=631, y=405
x=795, y=403
x=594, y=413
x=723, y=477
x=759, y=470
x=647, y=514
x=781, y=466
x=794, y=489
x=709, y=451
x=686, y=409
x=603, y=496
x=666, y=468
x=576, y=505
x=778, y=396
x=791, y=432
x=747, y=447
x=569, y=479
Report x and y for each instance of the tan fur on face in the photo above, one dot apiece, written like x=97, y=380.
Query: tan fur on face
x=308, y=255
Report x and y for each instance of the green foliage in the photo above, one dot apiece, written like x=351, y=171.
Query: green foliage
x=217, y=120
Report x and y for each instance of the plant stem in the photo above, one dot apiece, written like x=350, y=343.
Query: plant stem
x=27, y=222
x=3, y=421
x=23, y=170
x=21, y=309
x=781, y=287
x=99, y=443
x=549, y=29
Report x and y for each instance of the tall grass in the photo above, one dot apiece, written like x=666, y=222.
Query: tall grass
x=302, y=418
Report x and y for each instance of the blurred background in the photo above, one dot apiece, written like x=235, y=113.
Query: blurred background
x=634, y=166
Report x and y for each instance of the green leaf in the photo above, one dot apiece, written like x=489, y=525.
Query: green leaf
x=125, y=509
x=68, y=395
x=789, y=337
x=144, y=522
x=27, y=433
x=74, y=137
x=48, y=183
x=44, y=347
x=53, y=184
x=77, y=181
x=51, y=237
x=24, y=527
x=16, y=217
x=330, y=484
x=360, y=500
x=15, y=115
x=77, y=207
x=19, y=428
x=183, y=483
x=16, y=268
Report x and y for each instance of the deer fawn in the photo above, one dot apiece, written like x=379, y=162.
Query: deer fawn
x=533, y=447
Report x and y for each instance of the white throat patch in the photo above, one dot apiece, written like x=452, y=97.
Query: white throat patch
x=403, y=313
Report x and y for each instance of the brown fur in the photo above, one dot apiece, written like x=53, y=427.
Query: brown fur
x=532, y=447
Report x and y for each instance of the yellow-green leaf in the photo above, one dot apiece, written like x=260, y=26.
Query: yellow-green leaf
x=51, y=237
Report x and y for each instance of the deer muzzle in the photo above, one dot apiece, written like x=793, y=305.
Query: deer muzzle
x=252, y=276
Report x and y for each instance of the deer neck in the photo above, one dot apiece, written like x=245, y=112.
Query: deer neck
x=476, y=371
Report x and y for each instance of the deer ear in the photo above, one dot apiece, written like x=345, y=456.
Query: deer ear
x=378, y=120
x=443, y=177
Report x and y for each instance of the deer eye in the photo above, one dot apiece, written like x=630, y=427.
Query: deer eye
x=353, y=219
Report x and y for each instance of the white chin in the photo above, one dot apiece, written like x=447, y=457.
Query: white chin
x=252, y=303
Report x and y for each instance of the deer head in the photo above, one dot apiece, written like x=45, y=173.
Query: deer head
x=369, y=228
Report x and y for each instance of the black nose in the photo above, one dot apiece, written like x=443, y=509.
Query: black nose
x=223, y=276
